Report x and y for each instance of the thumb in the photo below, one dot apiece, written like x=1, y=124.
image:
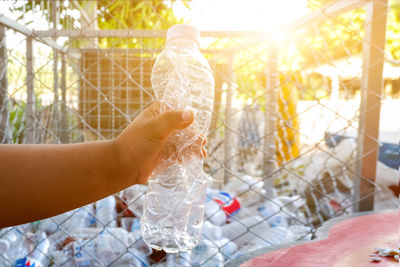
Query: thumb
x=167, y=122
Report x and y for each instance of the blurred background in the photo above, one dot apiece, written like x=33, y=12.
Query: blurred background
x=306, y=96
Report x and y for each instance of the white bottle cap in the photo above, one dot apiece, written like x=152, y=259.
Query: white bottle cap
x=183, y=31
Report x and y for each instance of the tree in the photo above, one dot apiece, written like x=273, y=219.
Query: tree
x=134, y=14
x=341, y=36
x=144, y=15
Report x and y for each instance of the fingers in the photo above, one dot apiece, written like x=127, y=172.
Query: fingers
x=203, y=151
x=202, y=140
x=167, y=122
x=161, y=125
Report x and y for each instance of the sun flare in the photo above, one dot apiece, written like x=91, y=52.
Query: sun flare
x=252, y=15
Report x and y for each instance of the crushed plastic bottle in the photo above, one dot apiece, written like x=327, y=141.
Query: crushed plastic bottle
x=132, y=225
x=334, y=204
x=226, y=247
x=230, y=205
x=213, y=210
x=271, y=210
x=174, y=202
x=105, y=212
x=134, y=198
x=182, y=259
x=206, y=254
x=11, y=239
x=34, y=250
x=79, y=218
x=238, y=231
x=112, y=246
x=212, y=232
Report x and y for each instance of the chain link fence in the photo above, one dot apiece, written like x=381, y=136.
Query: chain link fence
x=293, y=141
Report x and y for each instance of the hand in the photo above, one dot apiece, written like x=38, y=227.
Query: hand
x=140, y=145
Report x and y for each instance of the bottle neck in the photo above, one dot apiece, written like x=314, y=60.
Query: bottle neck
x=182, y=43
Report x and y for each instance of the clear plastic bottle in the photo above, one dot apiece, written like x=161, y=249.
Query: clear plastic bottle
x=11, y=239
x=33, y=251
x=207, y=254
x=106, y=213
x=182, y=259
x=174, y=203
x=271, y=210
x=79, y=218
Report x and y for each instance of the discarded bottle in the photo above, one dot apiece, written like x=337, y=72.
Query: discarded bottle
x=174, y=203
x=214, y=213
x=230, y=205
x=334, y=204
x=271, y=210
x=34, y=250
x=182, y=259
x=101, y=247
x=238, y=231
x=206, y=254
x=79, y=218
x=134, y=198
x=105, y=212
x=132, y=225
x=226, y=246
x=211, y=232
x=10, y=244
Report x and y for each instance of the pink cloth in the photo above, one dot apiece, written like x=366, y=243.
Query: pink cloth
x=349, y=243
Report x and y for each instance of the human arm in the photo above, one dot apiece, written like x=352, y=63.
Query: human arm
x=40, y=181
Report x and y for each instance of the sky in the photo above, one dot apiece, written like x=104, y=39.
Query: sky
x=258, y=15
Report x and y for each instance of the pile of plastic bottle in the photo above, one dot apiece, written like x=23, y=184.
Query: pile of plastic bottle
x=107, y=233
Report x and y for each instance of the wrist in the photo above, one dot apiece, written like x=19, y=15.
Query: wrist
x=124, y=166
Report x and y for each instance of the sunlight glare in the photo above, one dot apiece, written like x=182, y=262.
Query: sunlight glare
x=239, y=15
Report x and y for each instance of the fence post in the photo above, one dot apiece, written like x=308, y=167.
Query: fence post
x=64, y=123
x=371, y=92
x=57, y=130
x=228, y=144
x=271, y=109
x=3, y=87
x=30, y=101
x=88, y=20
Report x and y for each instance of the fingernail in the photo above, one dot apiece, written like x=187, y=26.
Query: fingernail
x=186, y=115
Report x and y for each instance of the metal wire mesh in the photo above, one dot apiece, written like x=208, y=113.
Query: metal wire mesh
x=284, y=140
